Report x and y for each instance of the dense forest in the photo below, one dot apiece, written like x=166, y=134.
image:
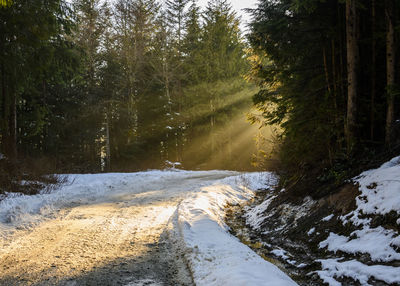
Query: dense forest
x=329, y=76
x=90, y=85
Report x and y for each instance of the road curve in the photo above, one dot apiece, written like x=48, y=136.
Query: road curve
x=104, y=229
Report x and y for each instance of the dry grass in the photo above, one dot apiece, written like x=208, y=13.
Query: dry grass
x=29, y=177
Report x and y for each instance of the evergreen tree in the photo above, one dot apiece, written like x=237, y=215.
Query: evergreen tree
x=92, y=22
x=192, y=44
x=88, y=85
x=136, y=29
x=31, y=33
x=222, y=45
x=352, y=39
x=176, y=15
x=316, y=61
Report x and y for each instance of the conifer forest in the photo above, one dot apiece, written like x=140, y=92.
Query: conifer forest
x=94, y=85
x=125, y=85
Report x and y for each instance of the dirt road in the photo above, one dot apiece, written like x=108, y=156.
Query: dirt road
x=111, y=229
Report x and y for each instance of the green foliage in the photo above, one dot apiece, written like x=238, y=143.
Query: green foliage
x=223, y=50
x=6, y=3
x=300, y=65
x=125, y=85
x=33, y=39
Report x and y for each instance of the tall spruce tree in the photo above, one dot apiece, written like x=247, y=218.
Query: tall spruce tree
x=176, y=14
x=92, y=21
x=221, y=40
x=31, y=32
x=192, y=44
x=352, y=49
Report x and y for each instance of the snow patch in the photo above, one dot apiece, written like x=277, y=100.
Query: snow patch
x=356, y=270
x=292, y=213
x=328, y=218
x=256, y=216
x=216, y=257
x=374, y=241
x=380, y=189
x=144, y=282
x=280, y=253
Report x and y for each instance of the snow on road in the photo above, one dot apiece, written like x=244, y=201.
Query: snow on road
x=215, y=257
x=148, y=228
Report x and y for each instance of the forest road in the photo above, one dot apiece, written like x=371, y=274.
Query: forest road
x=116, y=232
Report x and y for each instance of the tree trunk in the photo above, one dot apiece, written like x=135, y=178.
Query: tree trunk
x=352, y=63
x=390, y=70
x=108, y=148
x=4, y=109
x=373, y=71
x=342, y=73
x=9, y=118
x=212, y=123
x=10, y=127
x=334, y=75
x=328, y=84
x=169, y=139
x=13, y=128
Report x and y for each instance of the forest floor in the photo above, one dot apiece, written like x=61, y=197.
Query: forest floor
x=148, y=228
x=349, y=237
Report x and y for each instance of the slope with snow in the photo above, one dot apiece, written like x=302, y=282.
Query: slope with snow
x=353, y=233
x=380, y=189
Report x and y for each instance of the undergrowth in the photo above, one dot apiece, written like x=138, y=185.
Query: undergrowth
x=28, y=177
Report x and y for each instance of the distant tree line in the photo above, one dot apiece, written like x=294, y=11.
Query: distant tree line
x=104, y=85
x=329, y=76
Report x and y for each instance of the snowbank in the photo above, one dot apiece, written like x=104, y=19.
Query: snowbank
x=214, y=256
x=380, y=189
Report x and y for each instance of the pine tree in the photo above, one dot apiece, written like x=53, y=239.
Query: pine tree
x=136, y=27
x=30, y=33
x=317, y=63
x=295, y=76
x=92, y=22
x=176, y=15
x=192, y=44
x=222, y=45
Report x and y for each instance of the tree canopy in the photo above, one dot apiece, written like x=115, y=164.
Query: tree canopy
x=96, y=85
x=327, y=75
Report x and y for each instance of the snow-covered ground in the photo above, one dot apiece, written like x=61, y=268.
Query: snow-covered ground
x=216, y=257
x=380, y=195
x=110, y=228
x=363, y=250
